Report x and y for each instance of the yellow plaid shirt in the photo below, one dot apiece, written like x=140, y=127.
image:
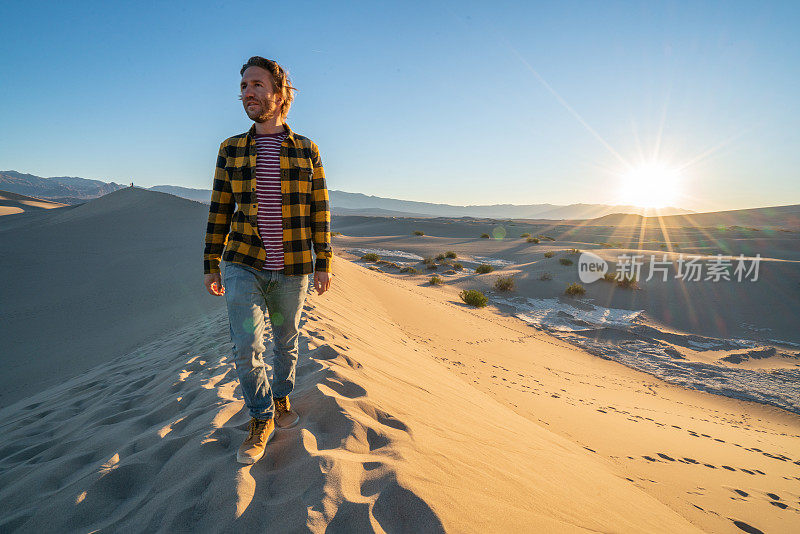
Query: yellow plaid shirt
x=232, y=231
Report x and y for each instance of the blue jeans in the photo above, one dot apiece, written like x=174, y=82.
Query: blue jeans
x=247, y=292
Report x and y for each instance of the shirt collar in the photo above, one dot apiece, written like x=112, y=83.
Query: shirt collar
x=289, y=133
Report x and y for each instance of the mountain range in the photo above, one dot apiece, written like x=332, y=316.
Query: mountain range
x=75, y=190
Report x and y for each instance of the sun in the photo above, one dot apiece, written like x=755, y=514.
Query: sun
x=651, y=185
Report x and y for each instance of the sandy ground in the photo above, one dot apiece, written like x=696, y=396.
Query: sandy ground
x=418, y=414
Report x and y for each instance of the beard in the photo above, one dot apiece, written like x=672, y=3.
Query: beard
x=266, y=110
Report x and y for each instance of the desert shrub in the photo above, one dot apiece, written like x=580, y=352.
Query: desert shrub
x=610, y=277
x=484, y=268
x=545, y=276
x=410, y=270
x=573, y=251
x=374, y=268
x=504, y=283
x=432, y=266
x=533, y=240
x=627, y=282
x=526, y=234
x=450, y=271
x=436, y=281
x=474, y=298
x=484, y=236
x=428, y=260
x=565, y=261
x=440, y=257
x=450, y=254
x=417, y=232
x=458, y=267
x=371, y=256
x=574, y=289
x=547, y=237
x=549, y=254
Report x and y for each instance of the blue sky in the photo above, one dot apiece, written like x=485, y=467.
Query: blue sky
x=453, y=102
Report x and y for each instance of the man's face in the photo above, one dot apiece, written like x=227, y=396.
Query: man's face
x=260, y=102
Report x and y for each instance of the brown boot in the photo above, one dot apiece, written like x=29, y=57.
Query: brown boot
x=285, y=417
x=253, y=447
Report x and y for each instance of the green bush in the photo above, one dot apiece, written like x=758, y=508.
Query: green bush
x=371, y=256
x=474, y=298
x=436, y=281
x=440, y=257
x=565, y=261
x=574, y=289
x=545, y=276
x=504, y=283
x=484, y=236
x=410, y=270
x=627, y=282
x=428, y=260
x=533, y=240
x=458, y=267
x=450, y=254
x=526, y=234
x=610, y=277
x=417, y=232
x=547, y=237
x=549, y=254
x=484, y=268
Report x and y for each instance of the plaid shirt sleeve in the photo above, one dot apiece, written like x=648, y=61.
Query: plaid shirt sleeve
x=320, y=214
x=219, y=216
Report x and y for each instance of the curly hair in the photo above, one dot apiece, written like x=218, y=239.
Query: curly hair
x=280, y=80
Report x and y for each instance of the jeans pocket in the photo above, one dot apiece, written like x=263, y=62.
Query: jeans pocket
x=231, y=271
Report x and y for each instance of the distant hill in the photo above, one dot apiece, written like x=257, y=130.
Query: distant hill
x=774, y=216
x=361, y=204
x=374, y=212
x=63, y=189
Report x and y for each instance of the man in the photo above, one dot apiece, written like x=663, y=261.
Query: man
x=275, y=176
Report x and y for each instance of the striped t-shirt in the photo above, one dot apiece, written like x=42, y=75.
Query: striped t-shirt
x=268, y=195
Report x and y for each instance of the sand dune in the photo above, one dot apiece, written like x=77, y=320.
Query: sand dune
x=418, y=413
x=94, y=281
x=13, y=203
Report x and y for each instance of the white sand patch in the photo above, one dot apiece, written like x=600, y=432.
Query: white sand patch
x=385, y=253
x=496, y=262
x=562, y=316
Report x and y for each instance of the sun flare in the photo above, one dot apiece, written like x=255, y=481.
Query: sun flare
x=652, y=185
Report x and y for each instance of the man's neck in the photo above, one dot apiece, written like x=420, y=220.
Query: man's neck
x=269, y=127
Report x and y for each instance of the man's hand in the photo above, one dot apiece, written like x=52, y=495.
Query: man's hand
x=322, y=281
x=214, y=284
